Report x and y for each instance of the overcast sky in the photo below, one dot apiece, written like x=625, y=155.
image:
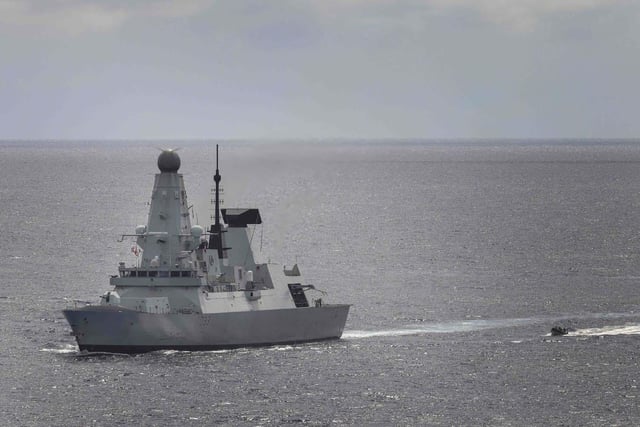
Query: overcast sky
x=319, y=69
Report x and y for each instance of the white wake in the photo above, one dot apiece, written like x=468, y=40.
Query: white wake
x=481, y=324
x=628, y=329
x=67, y=348
x=440, y=328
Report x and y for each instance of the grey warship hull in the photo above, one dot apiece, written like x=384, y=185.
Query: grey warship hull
x=117, y=330
x=191, y=289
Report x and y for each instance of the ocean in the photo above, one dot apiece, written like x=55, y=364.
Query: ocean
x=458, y=258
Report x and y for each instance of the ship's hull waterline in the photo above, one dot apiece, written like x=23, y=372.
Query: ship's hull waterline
x=109, y=329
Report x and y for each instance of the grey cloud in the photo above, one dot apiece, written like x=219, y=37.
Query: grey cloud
x=326, y=68
x=74, y=17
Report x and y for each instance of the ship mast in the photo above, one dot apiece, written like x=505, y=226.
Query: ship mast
x=217, y=179
x=215, y=238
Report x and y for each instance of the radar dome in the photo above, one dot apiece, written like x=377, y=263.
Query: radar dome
x=169, y=161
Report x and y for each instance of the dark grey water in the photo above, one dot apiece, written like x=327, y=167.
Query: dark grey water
x=458, y=258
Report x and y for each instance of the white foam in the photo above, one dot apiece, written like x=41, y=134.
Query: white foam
x=68, y=348
x=384, y=333
x=629, y=329
x=282, y=348
x=440, y=328
x=221, y=351
x=481, y=324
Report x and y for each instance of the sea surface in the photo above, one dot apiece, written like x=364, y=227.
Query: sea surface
x=458, y=258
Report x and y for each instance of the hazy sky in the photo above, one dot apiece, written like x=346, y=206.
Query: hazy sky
x=319, y=68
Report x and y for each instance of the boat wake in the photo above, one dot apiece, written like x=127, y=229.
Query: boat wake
x=441, y=328
x=66, y=349
x=628, y=329
x=72, y=350
x=483, y=324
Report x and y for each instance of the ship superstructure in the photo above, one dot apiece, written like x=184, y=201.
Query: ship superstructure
x=193, y=289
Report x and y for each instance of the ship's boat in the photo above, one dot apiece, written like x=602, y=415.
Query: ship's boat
x=560, y=330
x=192, y=289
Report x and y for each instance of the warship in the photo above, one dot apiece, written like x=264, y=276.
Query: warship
x=196, y=289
